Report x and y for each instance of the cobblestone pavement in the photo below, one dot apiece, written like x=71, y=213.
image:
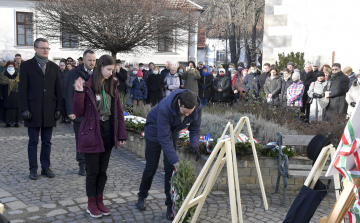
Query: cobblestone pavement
x=63, y=198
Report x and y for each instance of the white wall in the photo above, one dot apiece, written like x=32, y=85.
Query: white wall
x=8, y=45
x=314, y=27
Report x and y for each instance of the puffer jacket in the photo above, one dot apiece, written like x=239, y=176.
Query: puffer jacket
x=223, y=83
x=191, y=78
x=207, y=81
x=273, y=86
x=139, y=89
x=174, y=86
x=353, y=95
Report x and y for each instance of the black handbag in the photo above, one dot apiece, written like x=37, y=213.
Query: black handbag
x=309, y=100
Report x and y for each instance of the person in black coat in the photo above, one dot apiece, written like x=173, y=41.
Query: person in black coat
x=286, y=81
x=9, y=80
x=63, y=76
x=251, y=83
x=155, y=84
x=40, y=104
x=222, y=87
x=121, y=75
x=336, y=89
x=307, y=77
x=166, y=70
x=84, y=71
x=264, y=75
x=205, y=85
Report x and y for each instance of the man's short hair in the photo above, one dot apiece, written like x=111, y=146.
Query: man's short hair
x=118, y=61
x=141, y=64
x=266, y=64
x=337, y=65
x=88, y=51
x=18, y=55
x=232, y=64
x=36, y=42
x=188, y=99
x=347, y=70
x=80, y=58
x=241, y=64
x=200, y=63
x=285, y=70
x=253, y=64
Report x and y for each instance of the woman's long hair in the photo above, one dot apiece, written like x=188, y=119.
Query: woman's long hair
x=96, y=85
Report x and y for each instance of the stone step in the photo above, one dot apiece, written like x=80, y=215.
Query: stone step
x=303, y=167
x=304, y=174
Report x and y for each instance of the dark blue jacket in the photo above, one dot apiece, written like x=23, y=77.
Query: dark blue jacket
x=251, y=82
x=163, y=123
x=139, y=90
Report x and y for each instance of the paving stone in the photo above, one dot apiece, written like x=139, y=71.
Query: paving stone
x=56, y=212
x=113, y=195
x=119, y=200
x=5, y=194
x=49, y=206
x=7, y=199
x=16, y=205
x=74, y=209
x=82, y=200
x=15, y=212
x=17, y=221
x=32, y=209
x=66, y=202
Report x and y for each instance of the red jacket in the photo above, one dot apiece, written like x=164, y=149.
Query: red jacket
x=84, y=105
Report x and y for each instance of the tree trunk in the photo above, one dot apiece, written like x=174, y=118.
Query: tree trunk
x=253, y=36
x=113, y=54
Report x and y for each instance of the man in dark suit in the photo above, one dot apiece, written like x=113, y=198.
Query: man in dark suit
x=121, y=75
x=307, y=77
x=40, y=104
x=84, y=71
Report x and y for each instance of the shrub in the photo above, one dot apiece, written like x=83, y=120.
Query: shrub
x=297, y=58
x=275, y=152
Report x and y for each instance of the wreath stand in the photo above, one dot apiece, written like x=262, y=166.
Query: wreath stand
x=1, y=208
x=224, y=152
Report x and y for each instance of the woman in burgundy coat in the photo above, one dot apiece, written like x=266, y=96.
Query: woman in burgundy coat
x=102, y=127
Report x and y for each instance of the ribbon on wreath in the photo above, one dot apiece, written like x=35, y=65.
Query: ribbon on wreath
x=350, y=146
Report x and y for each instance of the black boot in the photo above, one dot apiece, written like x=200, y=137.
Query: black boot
x=169, y=214
x=141, y=204
x=82, y=171
x=62, y=120
x=67, y=120
x=33, y=175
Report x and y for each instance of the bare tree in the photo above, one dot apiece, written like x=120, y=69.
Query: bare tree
x=118, y=25
x=239, y=21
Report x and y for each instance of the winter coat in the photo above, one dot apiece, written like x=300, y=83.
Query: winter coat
x=90, y=140
x=129, y=83
x=206, y=81
x=295, y=94
x=121, y=77
x=338, y=85
x=251, y=84
x=353, y=95
x=262, y=79
x=191, y=78
x=139, y=90
x=318, y=105
x=352, y=77
x=283, y=93
x=73, y=75
x=63, y=78
x=273, y=86
x=40, y=94
x=171, y=87
x=155, y=83
x=307, y=79
x=236, y=82
x=9, y=100
x=165, y=72
x=223, y=83
x=163, y=124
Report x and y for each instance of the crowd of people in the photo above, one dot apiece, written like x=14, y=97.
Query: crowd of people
x=89, y=94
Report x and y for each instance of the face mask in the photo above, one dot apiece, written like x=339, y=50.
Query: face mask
x=240, y=69
x=210, y=69
x=139, y=78
x=134, y=72
x=253, y=71
x=141, y=68
x=155, y=72
x=11, y=70
x=214, y=75
x=230, y=69
x=232, y=75
x=181, y=71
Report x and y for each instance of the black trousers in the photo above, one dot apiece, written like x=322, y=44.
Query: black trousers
x=45, y=147
x=63, y=109
x=97, y=163
x=80, y=157
x=155, y=97
x=152, y=156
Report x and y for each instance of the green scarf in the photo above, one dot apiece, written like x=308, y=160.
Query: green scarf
x=106, y=106
x=12, y=83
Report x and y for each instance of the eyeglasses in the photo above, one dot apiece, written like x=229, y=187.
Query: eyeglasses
x=43, y=48
x=335, y=69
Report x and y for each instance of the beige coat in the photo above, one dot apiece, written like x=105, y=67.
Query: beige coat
x=353, y=95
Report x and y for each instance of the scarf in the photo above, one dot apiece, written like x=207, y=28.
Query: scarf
x=287, y=78
x=42, y=62
x=12, y=83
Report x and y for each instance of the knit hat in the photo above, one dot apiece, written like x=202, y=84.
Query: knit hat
x=139, y=73
x=296, y=74
x=320, y=74
x=291, y=63
x=315, y=64
x=222, y=69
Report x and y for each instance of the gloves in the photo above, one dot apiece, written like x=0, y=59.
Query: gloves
x=204, y=87
x=195, y=149
x=57, y=115
x=26, y=115
x=352, y=104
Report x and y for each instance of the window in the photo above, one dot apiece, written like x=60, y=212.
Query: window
x=220, y=55
x=69, y=40
x=166, y=43
x=24, y=28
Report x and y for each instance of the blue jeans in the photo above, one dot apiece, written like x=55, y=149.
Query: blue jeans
x=204, y=101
